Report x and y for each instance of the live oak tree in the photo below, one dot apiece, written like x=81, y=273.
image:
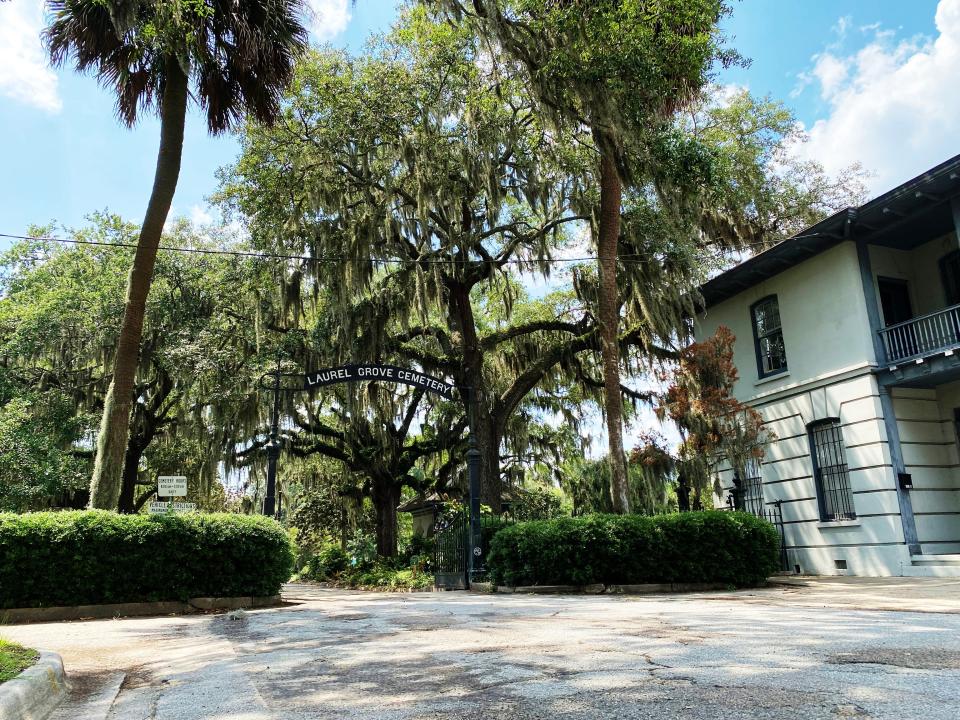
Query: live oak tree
x=379, y=431
x=415, y=177
x=59, y=319
x=374, y=437
x=238, y=56
x=38, y=433
x=621, y=68
x=390, y=437
x=763, y=187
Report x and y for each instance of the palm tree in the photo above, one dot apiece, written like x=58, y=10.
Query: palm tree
x=239, y=55
x=620, y=68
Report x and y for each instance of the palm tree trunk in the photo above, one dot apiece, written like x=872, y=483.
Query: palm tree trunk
x=609, y=234
x=115, y=425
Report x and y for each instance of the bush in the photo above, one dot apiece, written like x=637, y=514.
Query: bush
x=382, y=576
x=733, y=548
x=89, y=557
x=418, y=553
x=330, y=561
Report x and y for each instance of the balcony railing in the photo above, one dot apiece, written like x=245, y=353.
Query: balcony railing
x=922, y=335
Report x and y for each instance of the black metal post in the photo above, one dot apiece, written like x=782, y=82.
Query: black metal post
x=273, y=449
x=475, y=546
x=474, y=533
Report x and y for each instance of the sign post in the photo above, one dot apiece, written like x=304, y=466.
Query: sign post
x=170, y=506
x=171, y=486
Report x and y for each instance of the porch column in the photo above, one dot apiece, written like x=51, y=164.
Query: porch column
x=870, y=299
x=896, y=460
x=907, y=521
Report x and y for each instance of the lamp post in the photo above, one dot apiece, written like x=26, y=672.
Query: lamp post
x=475, y=534
x=475, y=546
x=273, y=450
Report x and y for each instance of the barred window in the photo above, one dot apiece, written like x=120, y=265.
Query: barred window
x=752, y=488
x=768, y=337
x=830, y=470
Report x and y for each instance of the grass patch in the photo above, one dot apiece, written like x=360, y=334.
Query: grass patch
x=14, y=659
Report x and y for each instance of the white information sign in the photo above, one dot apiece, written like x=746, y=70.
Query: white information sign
x=175, y=507
x=171, y=486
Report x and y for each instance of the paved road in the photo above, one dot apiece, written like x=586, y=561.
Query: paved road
x=336, y=654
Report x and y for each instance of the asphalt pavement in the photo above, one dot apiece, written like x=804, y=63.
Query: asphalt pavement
x=784, y=652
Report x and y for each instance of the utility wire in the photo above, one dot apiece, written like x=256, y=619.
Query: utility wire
x=630, y=258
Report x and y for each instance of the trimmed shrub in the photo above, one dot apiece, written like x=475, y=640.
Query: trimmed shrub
x=733, y=548
x=91, y=557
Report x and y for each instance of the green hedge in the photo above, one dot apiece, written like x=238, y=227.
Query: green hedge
x=698, y=547
x=89, y=557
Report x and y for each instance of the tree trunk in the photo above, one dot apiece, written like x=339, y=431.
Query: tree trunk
x=115, y=425
x=609, y=308
x=131, y=471
x=386, y=498
x=479, y=415
x=683, y=494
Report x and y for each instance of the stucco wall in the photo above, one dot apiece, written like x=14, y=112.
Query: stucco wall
x=919, y=267
x=823, y=315
x=830, y=360
x=871, y=545
x=928, y=443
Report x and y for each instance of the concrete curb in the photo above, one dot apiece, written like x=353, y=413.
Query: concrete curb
x=99, y=612
x=599, y=589
x=35, y=692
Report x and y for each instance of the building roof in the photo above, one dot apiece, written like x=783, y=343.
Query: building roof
x=920, y=206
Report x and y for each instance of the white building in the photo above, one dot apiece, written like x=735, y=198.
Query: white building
x=848, y=344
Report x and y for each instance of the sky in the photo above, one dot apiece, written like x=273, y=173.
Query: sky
x=871, y=81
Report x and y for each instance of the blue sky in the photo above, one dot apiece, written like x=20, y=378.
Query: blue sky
x=872, y=80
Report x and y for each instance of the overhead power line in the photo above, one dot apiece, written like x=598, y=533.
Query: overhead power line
x=626, y=258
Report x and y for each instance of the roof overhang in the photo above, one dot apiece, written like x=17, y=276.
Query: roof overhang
x=911, y=214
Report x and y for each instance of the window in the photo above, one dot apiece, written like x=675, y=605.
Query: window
x=950, y=276
x=830, y=470
x=768, y=337
x=894, y=300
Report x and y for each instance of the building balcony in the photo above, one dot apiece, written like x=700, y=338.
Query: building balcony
x=920, y=337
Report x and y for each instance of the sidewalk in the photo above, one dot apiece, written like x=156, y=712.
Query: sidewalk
x=901, y=594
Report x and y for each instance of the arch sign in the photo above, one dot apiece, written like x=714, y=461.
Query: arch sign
x=282, y=382
x=390, y=373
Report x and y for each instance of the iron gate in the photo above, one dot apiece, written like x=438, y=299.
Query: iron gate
x=451, y=536
x=773, y=514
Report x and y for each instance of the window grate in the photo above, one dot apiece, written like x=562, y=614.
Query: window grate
x=830, y=471
x=752, y=489
x=768, y=337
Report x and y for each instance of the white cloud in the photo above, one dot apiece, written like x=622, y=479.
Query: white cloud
x=893, y=105
x=830, y=71
x=328, y=18
x=25, y=75
x=200, y=215
x=843, y=24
